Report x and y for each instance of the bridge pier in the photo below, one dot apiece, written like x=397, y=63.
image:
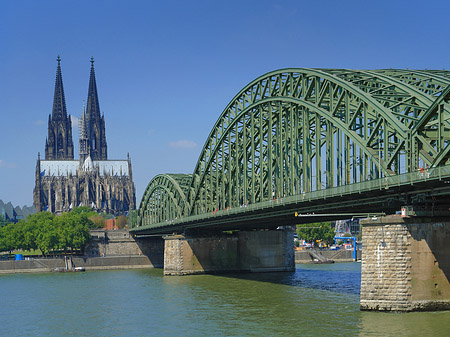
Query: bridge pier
x=405, y=264
x=243, y=251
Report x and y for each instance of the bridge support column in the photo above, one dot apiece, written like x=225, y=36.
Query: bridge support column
x=405, y=264
x=244, y=251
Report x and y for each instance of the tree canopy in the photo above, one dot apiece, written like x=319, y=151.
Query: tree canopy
x=316, y=231
x=47, y=232
x=3, y=221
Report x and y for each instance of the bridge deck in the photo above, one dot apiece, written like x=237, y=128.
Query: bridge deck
x=380, y=195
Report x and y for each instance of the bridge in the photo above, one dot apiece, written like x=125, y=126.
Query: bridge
x=296, y=139
x=304, y=145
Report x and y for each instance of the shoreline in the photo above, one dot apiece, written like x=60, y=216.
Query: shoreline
x=121, y=262
x=45, y=265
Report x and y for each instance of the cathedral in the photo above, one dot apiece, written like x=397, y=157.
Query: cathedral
x=62, y=182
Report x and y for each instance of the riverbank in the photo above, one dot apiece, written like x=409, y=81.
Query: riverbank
x=41, y=265
x=303, y=256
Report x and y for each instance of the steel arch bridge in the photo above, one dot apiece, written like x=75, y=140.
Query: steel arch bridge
x=293, y=132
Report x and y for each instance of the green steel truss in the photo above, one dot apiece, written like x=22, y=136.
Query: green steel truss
x=295, y=131
x=165, y=198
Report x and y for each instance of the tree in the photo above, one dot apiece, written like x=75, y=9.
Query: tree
x=41, y=233
x=8, y=237
x=47, y=238
x=3, y=221
x=132, y=218
x=73, y=230
x=83, y=209
x=121, y=221
x=46, y=232
x=316, y=231
x=97, y=221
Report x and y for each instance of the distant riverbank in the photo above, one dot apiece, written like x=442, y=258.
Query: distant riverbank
x=39, y=265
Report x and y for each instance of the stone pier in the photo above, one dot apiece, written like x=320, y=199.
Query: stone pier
x=405, y=264
x=244, y=251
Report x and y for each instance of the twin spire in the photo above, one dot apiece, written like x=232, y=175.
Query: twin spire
x=59, y=144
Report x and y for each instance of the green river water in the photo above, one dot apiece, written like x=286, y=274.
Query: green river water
x=316, y=300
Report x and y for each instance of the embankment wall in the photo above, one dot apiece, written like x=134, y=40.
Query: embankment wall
x=34, y=265
x=108, y=249
x=302, y=256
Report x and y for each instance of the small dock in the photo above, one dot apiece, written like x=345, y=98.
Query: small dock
x=69, y=266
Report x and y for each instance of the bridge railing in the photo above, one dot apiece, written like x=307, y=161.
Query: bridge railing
x=422, y=175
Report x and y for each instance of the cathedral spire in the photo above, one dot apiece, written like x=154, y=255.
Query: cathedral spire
x=59, y=144
x=93, y=106
x=59, y=101
x=95, y=123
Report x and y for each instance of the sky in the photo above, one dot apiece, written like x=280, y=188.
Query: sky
x=166, y=70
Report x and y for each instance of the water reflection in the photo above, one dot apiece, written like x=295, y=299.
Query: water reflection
x=342, y=277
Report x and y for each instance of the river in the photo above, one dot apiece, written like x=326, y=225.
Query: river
x=316, y=300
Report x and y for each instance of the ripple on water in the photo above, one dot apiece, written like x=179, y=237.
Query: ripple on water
x=313, y=300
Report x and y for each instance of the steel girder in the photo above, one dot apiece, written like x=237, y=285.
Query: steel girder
x=165, y=198
x=294, y=131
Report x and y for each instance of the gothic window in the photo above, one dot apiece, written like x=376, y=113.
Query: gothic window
x=60, y=141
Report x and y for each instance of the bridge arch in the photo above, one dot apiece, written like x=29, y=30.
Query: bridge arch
x=165, y=198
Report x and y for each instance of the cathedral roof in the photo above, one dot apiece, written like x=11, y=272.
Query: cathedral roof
x=64, y=168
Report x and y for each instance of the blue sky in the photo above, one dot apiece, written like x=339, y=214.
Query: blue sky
x=166, y=69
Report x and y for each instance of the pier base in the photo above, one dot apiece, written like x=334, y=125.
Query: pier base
x=405, y=264
x=246, y=251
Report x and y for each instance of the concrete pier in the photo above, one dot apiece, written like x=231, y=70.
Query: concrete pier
x=405, y=264
x=244, y=251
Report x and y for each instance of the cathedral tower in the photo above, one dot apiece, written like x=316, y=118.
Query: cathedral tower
x=94, y=122
x=59, y=144
x=63, y=183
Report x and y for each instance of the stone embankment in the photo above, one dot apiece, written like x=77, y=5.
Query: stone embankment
x=38, y=265
x=303, y=256
x=107, y=250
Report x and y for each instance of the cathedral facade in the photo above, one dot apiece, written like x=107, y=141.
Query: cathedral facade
x=62, y=182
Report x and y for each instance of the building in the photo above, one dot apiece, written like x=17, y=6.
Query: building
x=10, y=213
x=63, y=182
x=346, y=227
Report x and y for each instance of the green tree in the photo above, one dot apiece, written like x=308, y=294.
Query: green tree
x=83, y=209
x=121, y=221
x=73, y=230
x=39, y=232
x=316, y=231
x=28, y=232
x=47, y=238
x=132, y=218
x=46, y=232
x=9, y=237
x=97, y=221
x=3, y=221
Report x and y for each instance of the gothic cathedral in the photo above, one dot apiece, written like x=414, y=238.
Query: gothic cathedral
x=62, y=182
